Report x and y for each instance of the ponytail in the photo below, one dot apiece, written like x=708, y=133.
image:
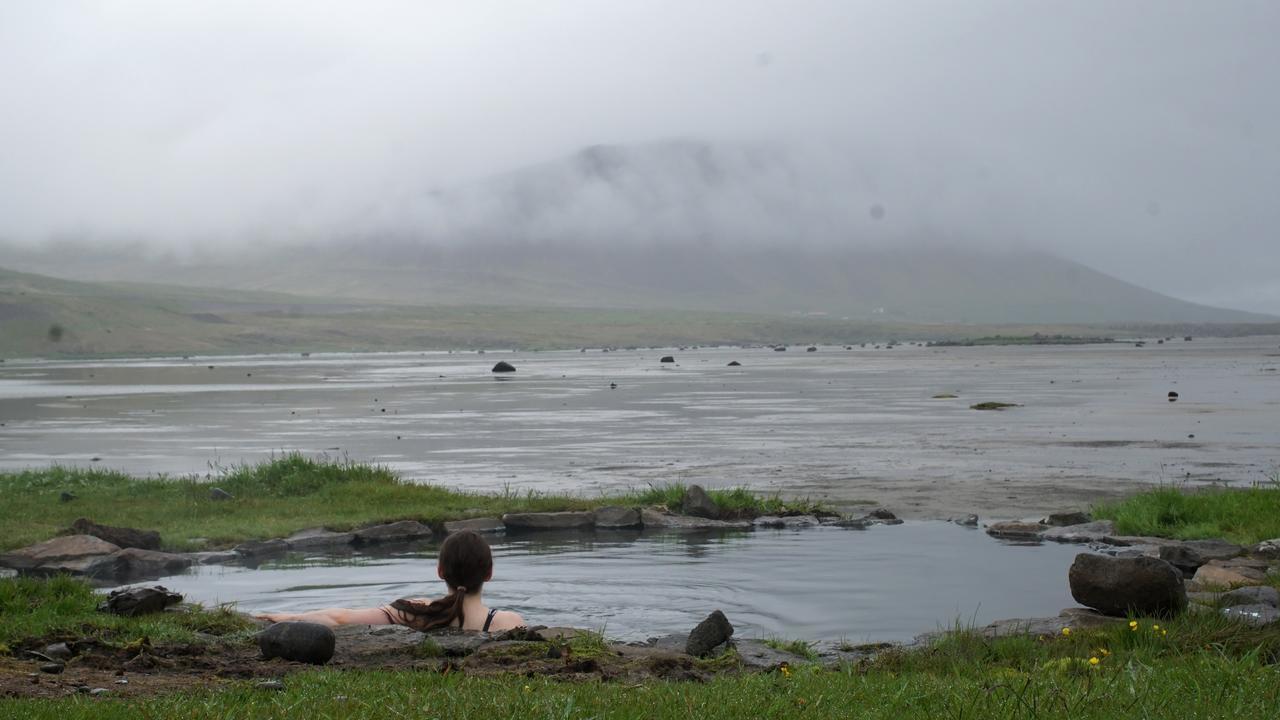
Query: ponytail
x=425, y=616
x=465, y=564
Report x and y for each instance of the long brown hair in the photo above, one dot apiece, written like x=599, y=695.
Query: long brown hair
x=465, y=564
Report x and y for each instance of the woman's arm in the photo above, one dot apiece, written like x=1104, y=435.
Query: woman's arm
x=333, y=616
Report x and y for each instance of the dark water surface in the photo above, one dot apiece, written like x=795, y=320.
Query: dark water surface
x=885, y=583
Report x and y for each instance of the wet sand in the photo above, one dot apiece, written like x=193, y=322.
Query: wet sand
x=848, y=426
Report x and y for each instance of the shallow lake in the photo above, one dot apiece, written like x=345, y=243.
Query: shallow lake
x=885, y=583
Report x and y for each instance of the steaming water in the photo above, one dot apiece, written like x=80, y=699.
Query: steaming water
x=885, y=583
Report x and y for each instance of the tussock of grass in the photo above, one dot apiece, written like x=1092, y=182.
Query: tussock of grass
x=800, y=648
x=281, y=496
x=733, y=502
x=1246, y=515
x=38, y=608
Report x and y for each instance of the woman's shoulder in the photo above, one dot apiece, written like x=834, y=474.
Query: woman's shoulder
x=505, y=620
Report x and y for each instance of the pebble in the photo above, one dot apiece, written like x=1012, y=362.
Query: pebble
x=97, y=692
x=270, y=685
x=51, y=668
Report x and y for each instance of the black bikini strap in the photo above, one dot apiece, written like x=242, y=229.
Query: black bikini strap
x=489, y=619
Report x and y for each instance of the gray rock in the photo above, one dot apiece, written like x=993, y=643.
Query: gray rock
x=1218, y=574
x=1214, y=549
x=657, y=519
x=480, y=525
x=714, y=630
x=1016, y=530
x=698, y=503
x=1256, y=615
x=58, y=651
x=882, y=514
x=455, y=642
x=1138, y=540
x=790, y=522
x=967, y=521
x=58, y=550
x=99, y=692
x=213, y=557
x=504, y=367
x=548, y=521
x=262, y=548
x=1256, y=595
x=616, y=517
x=1063, y=519
x=52, y=668
x=1084, y=533
x=139, y=601
x=306, y=642
x=1120, y=586
x=220, y=494
x=1074, y=618
x=667, y=359
x=122, y=536
x=319, y=538
x=135, y=562
x=402, y=531
x=66, y=497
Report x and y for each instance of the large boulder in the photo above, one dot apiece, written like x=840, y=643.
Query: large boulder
x=1122, y=586
x=1258, y=595
x=698, y=503
x=713, y=631
x=569, y=520
x=1215, y=575
x=60, y=550
x=306, y=642
x=122, y=536
x=139, y=601
x=614, y=517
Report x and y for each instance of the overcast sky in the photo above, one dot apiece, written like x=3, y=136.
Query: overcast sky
x=1139, y=137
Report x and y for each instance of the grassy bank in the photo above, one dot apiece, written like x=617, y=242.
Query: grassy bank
x=279, y=497
x=1198, y=665
x=1245, y=516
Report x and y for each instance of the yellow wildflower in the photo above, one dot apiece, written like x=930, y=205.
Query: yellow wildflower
x=786, y=671
x=1094, y=660
x=1164, y=632
x=1104, y=652
x=528, y=689
x=1155, y=628
x=1066, y=632
x=1133, y=624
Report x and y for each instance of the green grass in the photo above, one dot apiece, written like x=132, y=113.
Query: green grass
x=1245, y=515
x=733, y=502
x=279, y=497
x=39, y=608
x=799, y=648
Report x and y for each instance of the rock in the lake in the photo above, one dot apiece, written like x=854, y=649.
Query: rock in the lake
x=667, y=359
x=882, y=514
x=1063, y=519
x=713, y=631
x=1016, y=530
x=402, y=531
x=59, y=550
x=1083, y=533
x=480, y=525
x=1256, y=615
x=1120, y=586
x=306, y=642
x=220, y=494
x=1256, y=595
x=122, y=536
x=504, y=367
x=262, y=548
x=135, y=563
x=139, y=601
x=970, y=520
x=568, y=520
x=790, y=522
x=698, y=503
x=319, y=539
x=734, y=363
x=617, y=517
x=658, y=519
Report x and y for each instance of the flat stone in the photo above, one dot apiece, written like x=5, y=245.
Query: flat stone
x=1257, y=595
x=1215, y=549
x=789, y=521
x=58, y=651
x=457, y=643
x=966, y=521
x=1074, y=618
x=616, y=517
x=1183, y=557
x=852, y=523
x=307, y=642
x=213, y=557
x=1256, y=615
x=1120, y=586
x=59, y=549
x=479, y=525
x=1212, y=576
x=319, y=538
x=1064, y=519
x=1083, y=533
x=402, y=531
x=1133, y=540
x=569, y=520
x=1016, y=529
x=262, y=548
x=666, y=521
x=756, y=655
